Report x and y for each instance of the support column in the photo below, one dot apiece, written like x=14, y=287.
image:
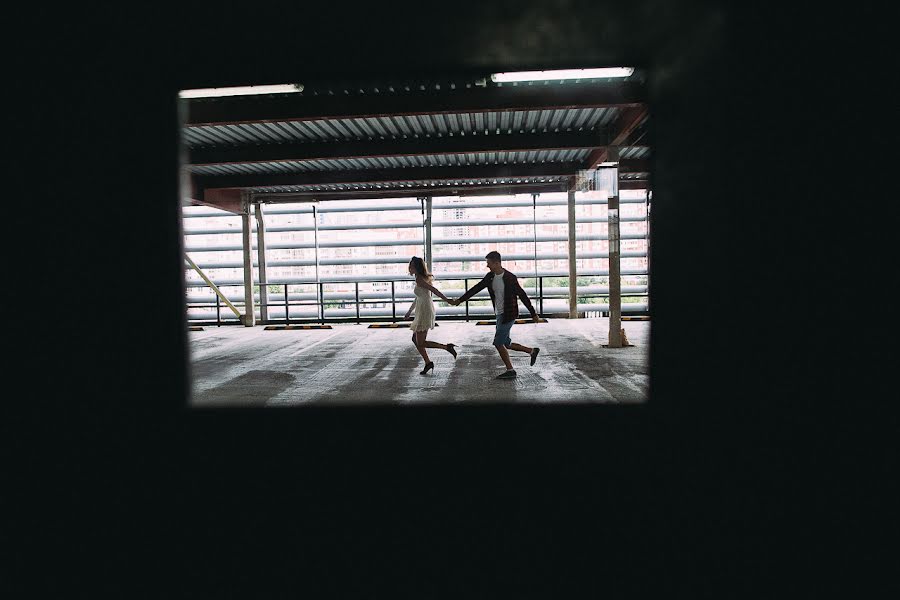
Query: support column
x=573, y=271
x=249, y=319
x=534, y=198
x=649, y=250
x=261, y=260
x=320, y=296
x=615, y=273
x=428, y=232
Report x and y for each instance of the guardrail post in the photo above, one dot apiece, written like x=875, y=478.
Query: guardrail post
x=287, y=308
x=321, y=303
x=357, y=302
x=541, y=296
x=393, y=305
x=465, y=287
x=218, y=311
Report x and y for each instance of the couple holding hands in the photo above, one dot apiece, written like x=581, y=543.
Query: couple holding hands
x=504, y=289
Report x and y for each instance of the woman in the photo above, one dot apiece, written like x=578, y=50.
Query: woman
x=424, y=307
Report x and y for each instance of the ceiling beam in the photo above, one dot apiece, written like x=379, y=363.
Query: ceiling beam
x=209, y=182
x=467, y=190
x=628, y=121
x=634, y=165
x=634, y=184
x=296, y=107
x=224, y=199
x=416, y=147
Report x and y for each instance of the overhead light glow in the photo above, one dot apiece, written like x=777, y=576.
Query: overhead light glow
x=607, y=164
x=247, y=90
x=562, y=74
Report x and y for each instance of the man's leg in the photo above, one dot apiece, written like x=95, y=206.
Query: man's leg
x=532, y=352
x=501, y=343
x=504, y=355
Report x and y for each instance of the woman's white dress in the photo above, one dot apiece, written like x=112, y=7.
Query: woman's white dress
x=424, y=309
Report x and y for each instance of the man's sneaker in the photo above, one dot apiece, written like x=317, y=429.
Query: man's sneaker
x=511, y=374
x=534, y=353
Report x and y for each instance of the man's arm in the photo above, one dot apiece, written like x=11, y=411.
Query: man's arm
x=473, y=290
x=525, y=300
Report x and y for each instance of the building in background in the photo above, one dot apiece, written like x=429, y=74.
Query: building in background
x=350, y=250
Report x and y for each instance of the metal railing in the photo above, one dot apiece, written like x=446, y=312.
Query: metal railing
x=347, y=298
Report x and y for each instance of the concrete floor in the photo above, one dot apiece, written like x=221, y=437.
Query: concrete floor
x=352, y=364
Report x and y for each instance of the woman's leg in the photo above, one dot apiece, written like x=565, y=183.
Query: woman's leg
x=448, y=347
x=420, y=344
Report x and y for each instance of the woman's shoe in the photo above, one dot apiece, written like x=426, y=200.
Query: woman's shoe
x=451, y=348
x=427, y=368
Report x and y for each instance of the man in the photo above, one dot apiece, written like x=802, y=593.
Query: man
x=504, y=288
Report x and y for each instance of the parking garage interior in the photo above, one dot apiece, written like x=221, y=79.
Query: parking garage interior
x=303, y=204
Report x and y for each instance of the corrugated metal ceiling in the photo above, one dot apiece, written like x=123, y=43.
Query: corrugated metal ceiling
x=501, y=123
x=628, y=152
x=398, y=162
x=401, y=126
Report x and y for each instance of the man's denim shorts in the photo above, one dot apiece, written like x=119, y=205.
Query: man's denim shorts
x=501, y=335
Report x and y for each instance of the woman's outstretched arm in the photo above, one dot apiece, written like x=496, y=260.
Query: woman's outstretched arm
x=423, y=283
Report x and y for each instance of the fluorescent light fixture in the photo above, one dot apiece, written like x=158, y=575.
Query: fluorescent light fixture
x=607, y=164
x=247, y=90
x=562, y=74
